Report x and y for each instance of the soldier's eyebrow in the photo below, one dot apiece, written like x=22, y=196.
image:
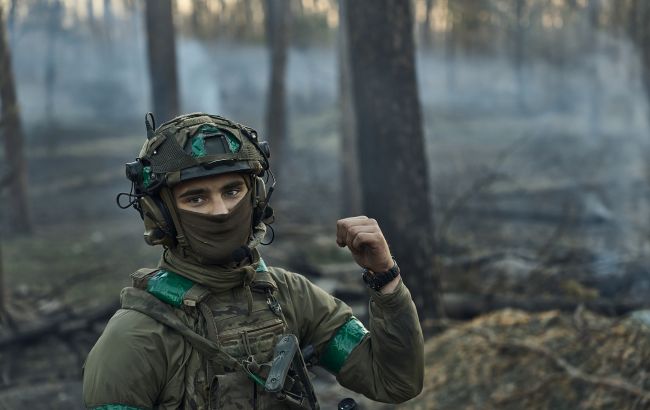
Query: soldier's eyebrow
x=192, y=192
x=233, y=185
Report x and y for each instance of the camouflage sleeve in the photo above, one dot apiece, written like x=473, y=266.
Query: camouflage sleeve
x=385, y=363
x=388, y=363
x=130, y=365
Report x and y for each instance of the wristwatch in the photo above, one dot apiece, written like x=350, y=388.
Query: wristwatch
x=377, y=280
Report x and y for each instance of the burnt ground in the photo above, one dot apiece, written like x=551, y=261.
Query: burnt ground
x=514, y=221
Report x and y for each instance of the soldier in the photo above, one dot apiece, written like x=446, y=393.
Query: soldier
x=213, y=326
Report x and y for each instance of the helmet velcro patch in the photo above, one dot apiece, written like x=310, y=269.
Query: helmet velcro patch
x=210, y=140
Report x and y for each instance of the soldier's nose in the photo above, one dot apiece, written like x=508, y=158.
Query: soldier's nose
x=219, y=208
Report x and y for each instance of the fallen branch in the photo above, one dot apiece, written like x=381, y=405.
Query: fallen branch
x=519, y=395
x=75, y=280
x=573, y=372
x=467, y=306
x=60, y=325
x=464, y=306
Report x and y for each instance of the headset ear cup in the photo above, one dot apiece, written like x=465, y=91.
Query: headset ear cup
x=158, y=228
x=259, y=202
x=260, y=192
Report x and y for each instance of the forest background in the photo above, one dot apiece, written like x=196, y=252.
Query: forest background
x=501, y=144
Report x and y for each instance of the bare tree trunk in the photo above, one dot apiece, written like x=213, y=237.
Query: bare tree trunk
x=643, y=42
x=11, y=21
x=200, y=13
x=108, y=23
x=595, y=98
x=248, y=11
x=3, y=291
x=426, y=34
x=451, y=46
x=519, y=54
x=13, y=140
x=394, y=175
x=53, y=29
x=90, y=11
x=350, y=180
x=562, y=97
x=278, y=19
x=108, y=13
x=162, y=58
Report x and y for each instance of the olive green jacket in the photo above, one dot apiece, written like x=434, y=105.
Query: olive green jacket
x=139, y=363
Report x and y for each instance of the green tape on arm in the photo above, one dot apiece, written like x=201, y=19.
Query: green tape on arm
x=116, y=407
x=342, y=344
x=169, y=287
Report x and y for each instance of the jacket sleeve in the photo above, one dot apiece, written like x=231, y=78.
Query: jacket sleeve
x=129, y=366
x=388, y=364
x=384, y=364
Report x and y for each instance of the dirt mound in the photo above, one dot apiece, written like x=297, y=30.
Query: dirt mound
x=511, y=359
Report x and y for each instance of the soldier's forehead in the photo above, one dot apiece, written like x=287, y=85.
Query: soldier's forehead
x=211, y=181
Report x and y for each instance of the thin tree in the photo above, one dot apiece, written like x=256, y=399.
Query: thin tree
x=108, y=24
x=162, y=58
x=394, y=175
x=639, y=31
x=54, y=25
x=519, y=53
x=277, y=19
x=12, y=131
x=90, y=14
x=594, y=9
x=350, y=192
x=3, y=292
x=426, y=32
x=451, y=50
x=11, y=21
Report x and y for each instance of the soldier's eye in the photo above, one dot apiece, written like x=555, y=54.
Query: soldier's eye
x=195, y=200
x=232, y=193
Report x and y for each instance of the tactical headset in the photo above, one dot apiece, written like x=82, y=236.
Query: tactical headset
x=164, y=161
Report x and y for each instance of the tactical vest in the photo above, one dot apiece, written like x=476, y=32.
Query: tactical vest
x=233, y=345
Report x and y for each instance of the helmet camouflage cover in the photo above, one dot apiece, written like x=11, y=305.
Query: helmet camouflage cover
x=193, y=146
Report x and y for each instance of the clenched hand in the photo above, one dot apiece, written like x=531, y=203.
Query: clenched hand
x=365, y=240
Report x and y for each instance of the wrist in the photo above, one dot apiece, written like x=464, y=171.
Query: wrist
x=383, y=267
x=377, y=280
x=390, y=286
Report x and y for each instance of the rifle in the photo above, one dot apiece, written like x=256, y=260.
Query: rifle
x=288, y=376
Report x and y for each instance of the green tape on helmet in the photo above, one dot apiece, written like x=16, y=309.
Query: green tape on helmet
x=229, y=143
x=233, y=144
x=146, y=176
x=198, y=146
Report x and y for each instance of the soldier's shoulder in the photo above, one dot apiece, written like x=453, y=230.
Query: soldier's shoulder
x=128, y=322
x=286, y=278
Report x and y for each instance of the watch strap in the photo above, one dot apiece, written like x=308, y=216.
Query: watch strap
x=377, y=280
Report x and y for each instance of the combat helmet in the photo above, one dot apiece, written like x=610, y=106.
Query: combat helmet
x=188, y=147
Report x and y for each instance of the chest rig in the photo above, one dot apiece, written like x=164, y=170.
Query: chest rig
x=235, y=340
